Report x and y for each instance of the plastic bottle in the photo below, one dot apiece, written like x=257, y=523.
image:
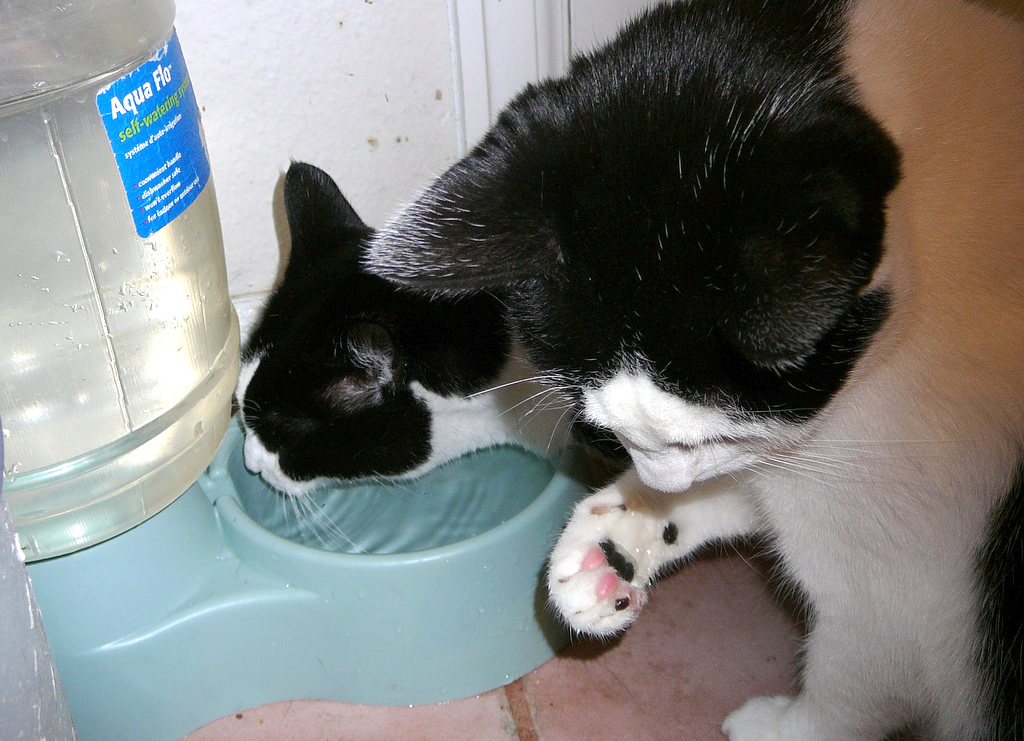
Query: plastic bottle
x=118, y=344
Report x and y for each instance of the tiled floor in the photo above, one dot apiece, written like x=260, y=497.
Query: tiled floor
x=711, y=636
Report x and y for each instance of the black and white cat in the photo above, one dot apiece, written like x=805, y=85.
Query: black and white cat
x=778, y=247
x=347, y=377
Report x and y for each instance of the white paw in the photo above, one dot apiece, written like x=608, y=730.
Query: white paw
x=605, y=560
x=759, y=719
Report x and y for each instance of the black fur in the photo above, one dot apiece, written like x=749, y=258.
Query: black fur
x=703, y=200
x=707, y=177
x=618, y=561
x=1001, y=565
x=333, y=397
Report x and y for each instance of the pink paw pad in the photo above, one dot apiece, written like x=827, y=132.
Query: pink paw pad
x=610, y=583
x=607, y=585
x=594, y=559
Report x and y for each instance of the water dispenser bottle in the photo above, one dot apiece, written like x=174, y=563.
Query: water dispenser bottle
x=118, y=344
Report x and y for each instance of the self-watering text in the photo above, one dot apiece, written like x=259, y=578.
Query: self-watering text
x=137, y=124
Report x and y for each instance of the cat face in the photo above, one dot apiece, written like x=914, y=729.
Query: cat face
x=684, y=245
x=346, y=376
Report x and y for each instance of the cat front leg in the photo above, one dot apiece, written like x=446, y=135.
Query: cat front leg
x=619, y=539
x=802, y=718
x=852, y=690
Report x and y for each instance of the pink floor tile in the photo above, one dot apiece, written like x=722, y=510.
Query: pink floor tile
x=484, y=718
x=710, y=637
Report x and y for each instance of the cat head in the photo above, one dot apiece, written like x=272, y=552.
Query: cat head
x=683, y=230
x=345, y=376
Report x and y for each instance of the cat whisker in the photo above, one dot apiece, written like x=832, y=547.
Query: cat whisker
x=404, y=485
x=237, y=449
x=551, y=402
x=541, y=395
x=819, y=476
x=820, y=459
x=304, y=519
x=889, y=450
x=488, y=390
x=251, y=405
x=320, y=522
x=824, y=463
x=567, y=430
x=907, y=441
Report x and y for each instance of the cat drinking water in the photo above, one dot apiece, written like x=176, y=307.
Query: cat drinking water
x=347, y=377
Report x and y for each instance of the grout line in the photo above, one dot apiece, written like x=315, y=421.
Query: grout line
x=520, y=710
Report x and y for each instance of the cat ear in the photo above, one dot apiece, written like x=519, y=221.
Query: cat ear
x=792, y=283
x=481, y=225
x=370, y=368
x=318, y=214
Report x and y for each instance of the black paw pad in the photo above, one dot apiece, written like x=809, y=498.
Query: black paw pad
x=621, y=604
x=617, y=560
x=670, y=534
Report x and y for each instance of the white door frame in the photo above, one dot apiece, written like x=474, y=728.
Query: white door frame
x=497, y=48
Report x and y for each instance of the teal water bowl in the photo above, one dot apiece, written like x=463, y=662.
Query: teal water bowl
x=234, y=596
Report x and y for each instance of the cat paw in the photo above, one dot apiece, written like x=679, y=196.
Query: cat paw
x=759, y=719
x=604, y=562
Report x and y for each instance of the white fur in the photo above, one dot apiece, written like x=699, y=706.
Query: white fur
x=257, y=458
x=673, y=443
x=875, y=532
x=633, y=516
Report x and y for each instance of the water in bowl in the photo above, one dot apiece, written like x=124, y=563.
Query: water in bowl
x=450, y=504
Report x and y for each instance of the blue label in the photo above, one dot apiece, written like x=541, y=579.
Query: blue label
x=152, y=121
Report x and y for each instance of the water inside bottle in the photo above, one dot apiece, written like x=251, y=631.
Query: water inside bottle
x=118, y=353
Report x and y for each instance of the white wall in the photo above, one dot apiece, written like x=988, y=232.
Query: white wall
x=382, y=94
x=360, y=88
x=500, y=46
x=595, y=21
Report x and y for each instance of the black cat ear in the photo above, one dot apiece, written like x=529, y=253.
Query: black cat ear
x=369, y=368
x=779, y=325
x=793, y=282
x=318, y=214
x=480, y=226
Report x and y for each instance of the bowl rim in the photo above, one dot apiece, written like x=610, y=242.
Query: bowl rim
x=219, y=486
